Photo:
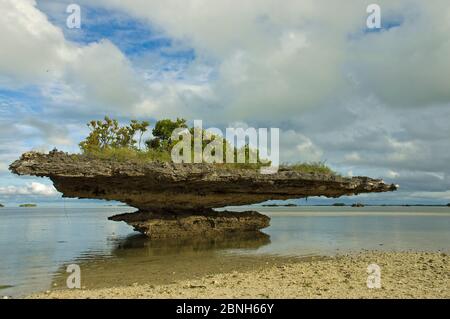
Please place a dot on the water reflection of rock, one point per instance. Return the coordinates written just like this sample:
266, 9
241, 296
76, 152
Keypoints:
138, 259
245, 240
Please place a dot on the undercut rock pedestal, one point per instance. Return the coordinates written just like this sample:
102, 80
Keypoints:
189, 224
177, 200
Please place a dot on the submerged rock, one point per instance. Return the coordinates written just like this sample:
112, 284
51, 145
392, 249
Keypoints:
182, 196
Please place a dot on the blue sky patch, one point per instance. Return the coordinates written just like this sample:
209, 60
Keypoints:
132, 36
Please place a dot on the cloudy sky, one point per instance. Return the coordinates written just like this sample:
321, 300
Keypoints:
368, 102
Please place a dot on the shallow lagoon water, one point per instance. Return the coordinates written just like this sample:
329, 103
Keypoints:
36, 244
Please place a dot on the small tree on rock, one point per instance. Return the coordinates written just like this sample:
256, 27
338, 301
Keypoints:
109, 134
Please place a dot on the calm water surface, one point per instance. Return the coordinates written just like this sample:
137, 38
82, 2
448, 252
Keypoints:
36, 244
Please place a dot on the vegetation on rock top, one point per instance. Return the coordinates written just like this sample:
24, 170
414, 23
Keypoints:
110, 141
310, 167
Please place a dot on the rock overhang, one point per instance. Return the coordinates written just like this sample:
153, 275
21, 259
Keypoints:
180, 189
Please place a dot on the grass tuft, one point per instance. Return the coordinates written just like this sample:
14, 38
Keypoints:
127, 154
151, 155
310, 167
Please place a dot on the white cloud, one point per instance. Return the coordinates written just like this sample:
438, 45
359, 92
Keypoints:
105, 76
277, 61
273, 62
52, 134
308, 152
33, 188
32, 48
407, 66
352, 157
393, 174
296, 147
35, 52
368, 103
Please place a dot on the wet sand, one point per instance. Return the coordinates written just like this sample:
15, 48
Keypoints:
403, 275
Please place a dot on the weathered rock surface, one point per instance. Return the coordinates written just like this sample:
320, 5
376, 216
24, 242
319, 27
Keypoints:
209, 223
173, 192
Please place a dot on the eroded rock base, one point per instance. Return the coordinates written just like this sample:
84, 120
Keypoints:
187, 224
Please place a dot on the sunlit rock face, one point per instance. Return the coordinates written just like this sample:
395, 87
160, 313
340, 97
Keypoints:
182, 196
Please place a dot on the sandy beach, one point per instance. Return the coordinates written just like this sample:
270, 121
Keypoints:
403, 275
